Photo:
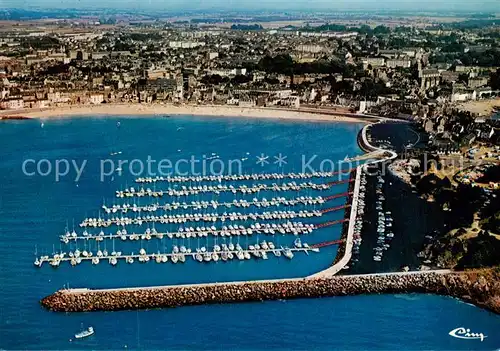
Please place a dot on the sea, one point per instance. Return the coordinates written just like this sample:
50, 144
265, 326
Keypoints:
41, 199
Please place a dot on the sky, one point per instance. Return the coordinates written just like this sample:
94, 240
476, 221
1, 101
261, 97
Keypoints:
276, 5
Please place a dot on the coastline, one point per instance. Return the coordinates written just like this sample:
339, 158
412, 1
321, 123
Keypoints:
197, 110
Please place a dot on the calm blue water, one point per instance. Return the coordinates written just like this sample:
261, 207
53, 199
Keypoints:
36, 209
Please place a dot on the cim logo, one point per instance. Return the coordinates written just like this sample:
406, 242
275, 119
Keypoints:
462, 333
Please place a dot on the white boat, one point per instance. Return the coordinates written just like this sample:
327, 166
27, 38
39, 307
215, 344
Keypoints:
85, 333
297, 243
287, 253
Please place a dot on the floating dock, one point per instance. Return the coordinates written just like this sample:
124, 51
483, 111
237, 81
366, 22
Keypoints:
159, 257
240, 177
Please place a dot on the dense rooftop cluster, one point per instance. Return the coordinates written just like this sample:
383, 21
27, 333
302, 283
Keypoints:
402, 70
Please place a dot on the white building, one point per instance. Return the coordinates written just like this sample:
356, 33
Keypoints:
96, 99
185, 44
12, 104
212, 55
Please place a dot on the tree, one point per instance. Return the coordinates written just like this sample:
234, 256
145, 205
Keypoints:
495, 79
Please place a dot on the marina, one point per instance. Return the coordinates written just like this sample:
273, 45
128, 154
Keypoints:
198, 219
40, 220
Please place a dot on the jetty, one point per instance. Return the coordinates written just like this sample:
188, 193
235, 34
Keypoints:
470, 286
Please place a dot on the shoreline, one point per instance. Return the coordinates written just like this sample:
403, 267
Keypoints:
321, 115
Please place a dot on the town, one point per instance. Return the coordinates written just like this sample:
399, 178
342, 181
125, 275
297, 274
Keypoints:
409, 70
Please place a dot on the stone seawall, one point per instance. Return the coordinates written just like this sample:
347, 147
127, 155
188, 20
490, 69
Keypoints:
362, 140
475, 289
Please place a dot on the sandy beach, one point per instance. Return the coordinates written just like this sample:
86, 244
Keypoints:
162, 110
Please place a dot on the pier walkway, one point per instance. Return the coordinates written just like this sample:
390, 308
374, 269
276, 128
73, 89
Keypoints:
328, 224
328, 243
336, 196
337, 208
389, 155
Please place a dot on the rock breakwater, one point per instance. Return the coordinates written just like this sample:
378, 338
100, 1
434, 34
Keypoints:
478, 290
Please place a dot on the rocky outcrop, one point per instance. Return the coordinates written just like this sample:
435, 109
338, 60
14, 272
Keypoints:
479, 289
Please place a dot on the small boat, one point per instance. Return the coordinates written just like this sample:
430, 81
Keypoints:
297, 243
85, 333
287, 253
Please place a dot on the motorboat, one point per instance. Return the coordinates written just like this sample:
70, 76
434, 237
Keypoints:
85, 333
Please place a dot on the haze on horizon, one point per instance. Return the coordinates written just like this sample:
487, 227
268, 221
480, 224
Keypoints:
275, 5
